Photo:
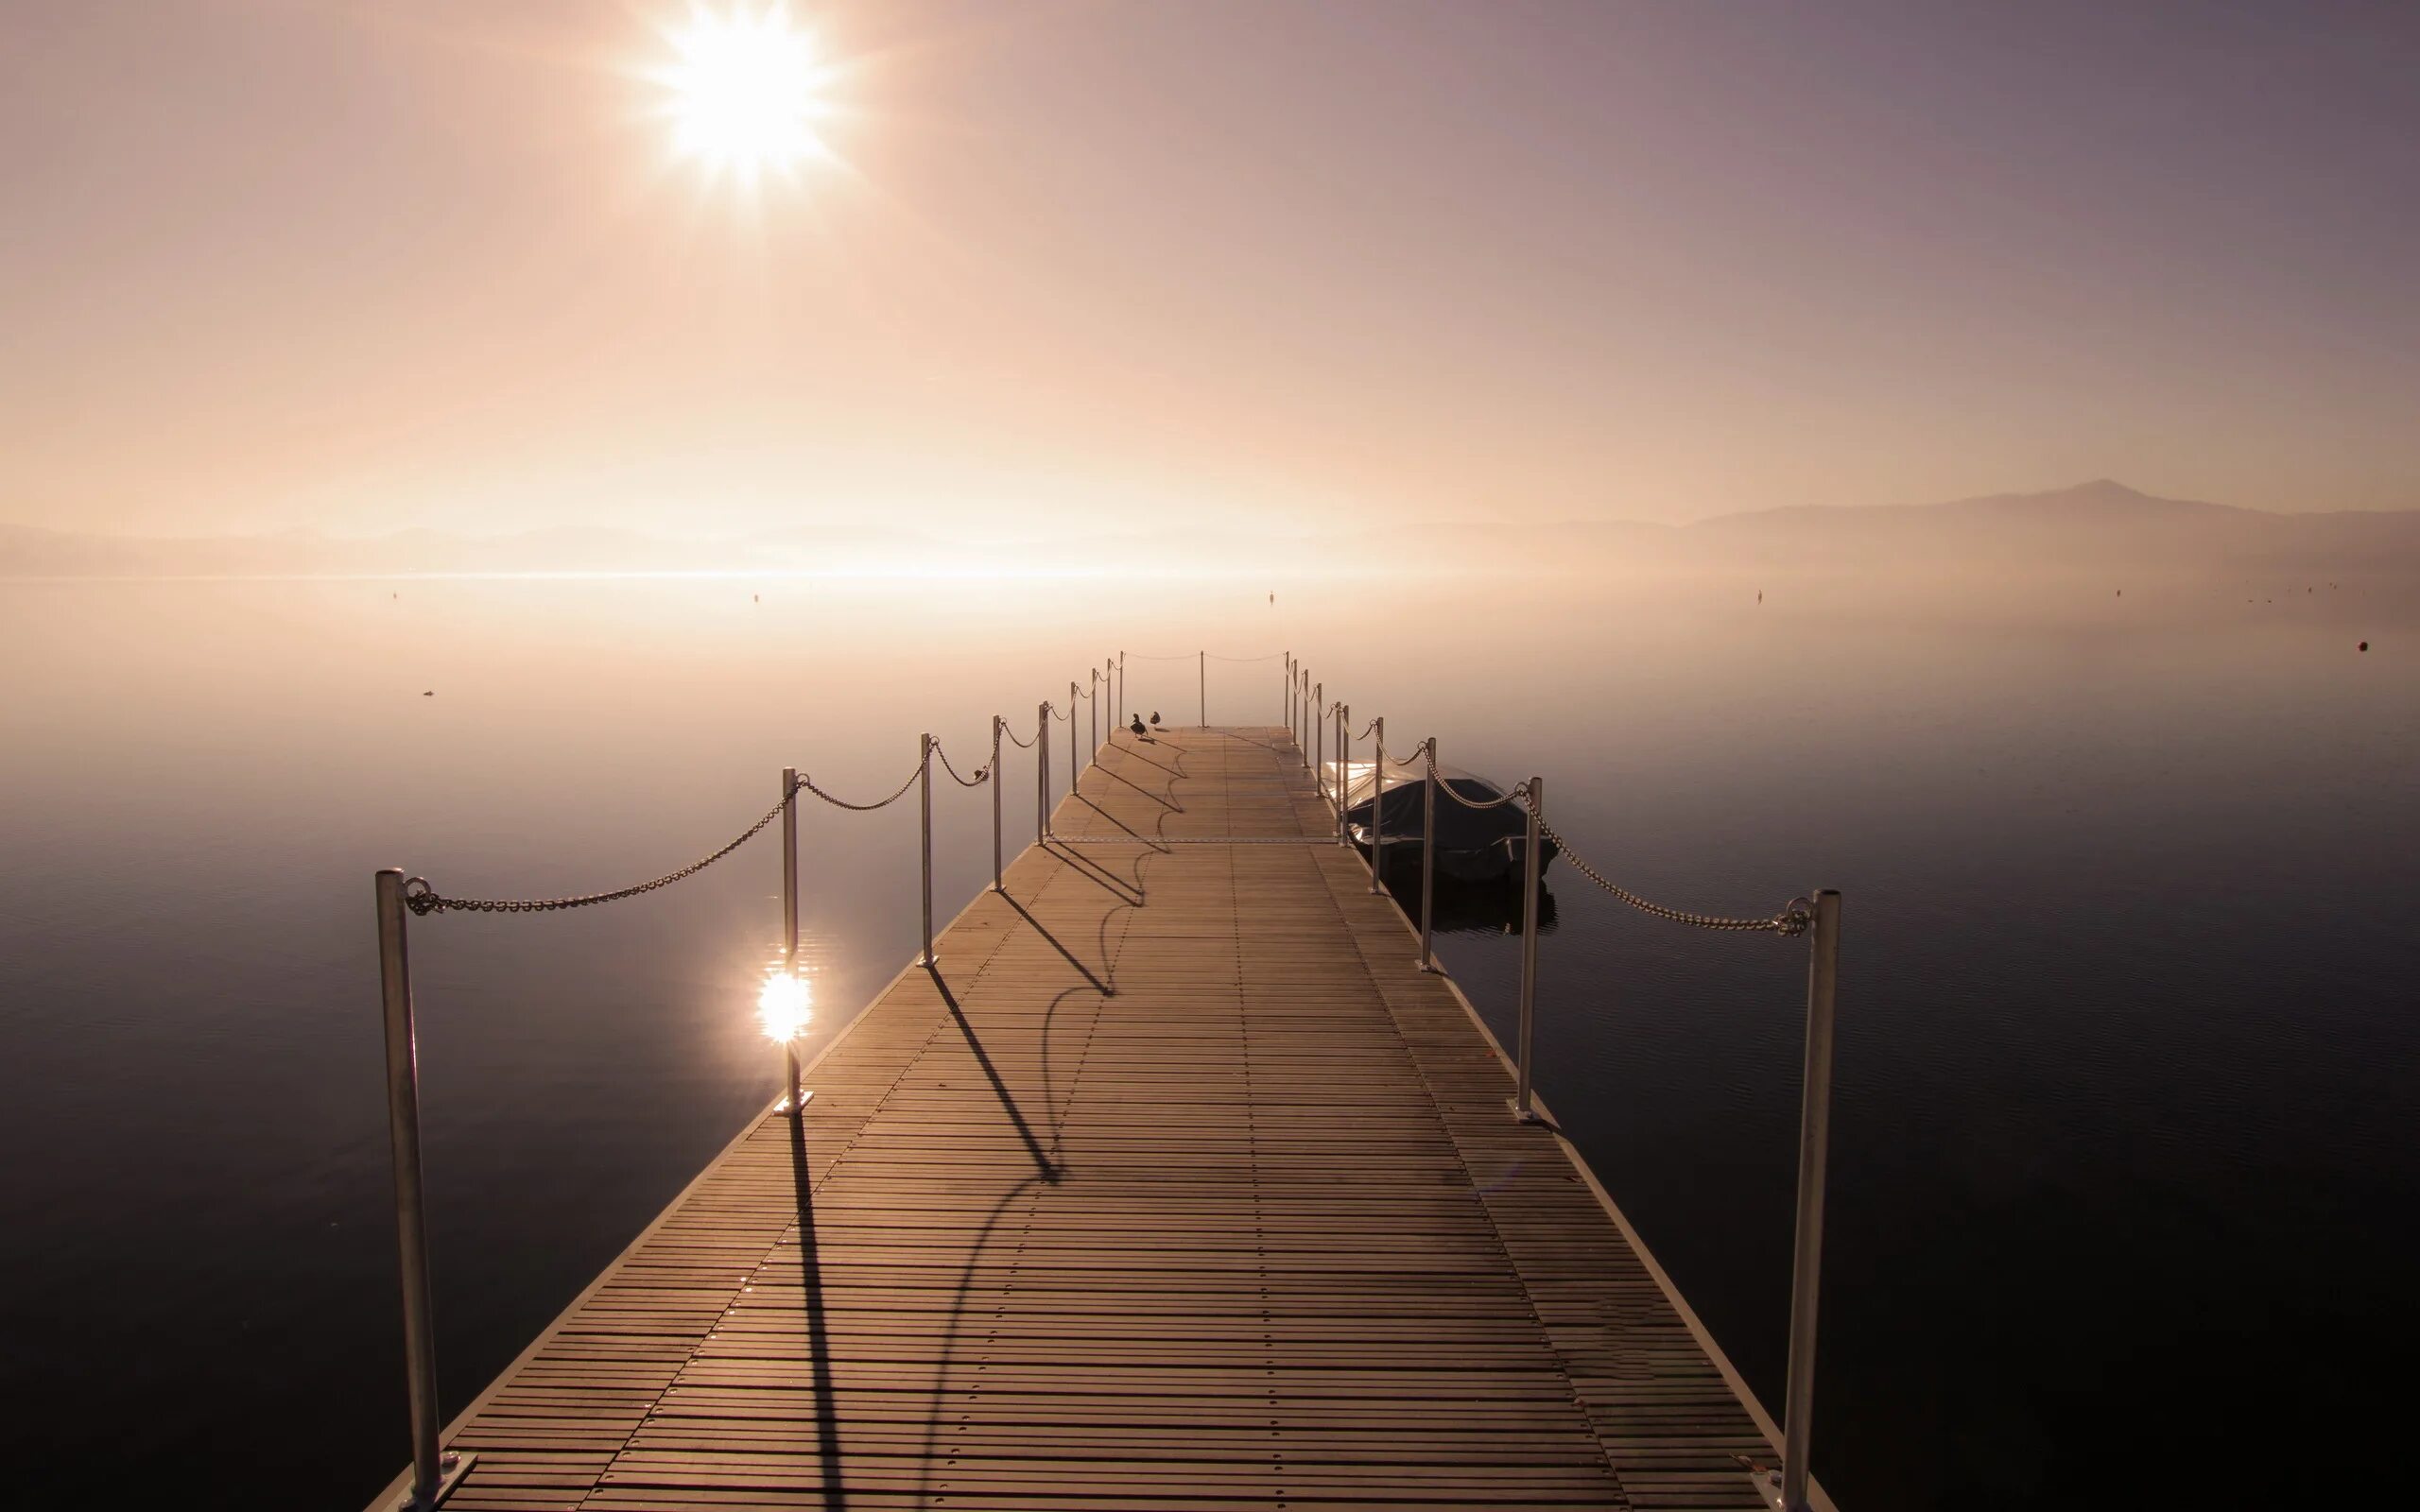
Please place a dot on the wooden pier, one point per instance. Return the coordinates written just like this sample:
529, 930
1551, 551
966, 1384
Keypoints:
1178, 1184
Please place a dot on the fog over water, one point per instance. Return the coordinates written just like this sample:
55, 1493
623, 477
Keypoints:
2122, 1164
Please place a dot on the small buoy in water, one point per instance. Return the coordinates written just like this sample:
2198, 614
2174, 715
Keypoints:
2122, 593
2364, 645
432, 691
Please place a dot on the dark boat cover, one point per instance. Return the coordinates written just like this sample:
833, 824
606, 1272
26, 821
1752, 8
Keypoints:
1475, 845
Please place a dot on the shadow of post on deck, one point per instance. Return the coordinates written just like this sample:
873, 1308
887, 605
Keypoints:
1099, 986
827, 1405
1042, 1163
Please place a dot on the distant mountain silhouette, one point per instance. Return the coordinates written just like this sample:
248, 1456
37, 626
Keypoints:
2100, 522
2097, 503
2099, 498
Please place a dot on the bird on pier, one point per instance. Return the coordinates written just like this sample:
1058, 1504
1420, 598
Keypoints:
1137, 726
1155, 718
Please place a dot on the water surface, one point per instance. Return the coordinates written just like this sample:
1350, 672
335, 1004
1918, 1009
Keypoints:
2122, 1165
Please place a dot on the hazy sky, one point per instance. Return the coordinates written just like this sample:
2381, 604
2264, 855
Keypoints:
268, 263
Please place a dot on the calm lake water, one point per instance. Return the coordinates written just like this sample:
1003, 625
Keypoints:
2124, 1168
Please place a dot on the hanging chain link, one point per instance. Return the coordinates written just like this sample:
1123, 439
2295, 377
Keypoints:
1795, 917
1520, 790
863, 808
1021, 744
421, 898
982, 774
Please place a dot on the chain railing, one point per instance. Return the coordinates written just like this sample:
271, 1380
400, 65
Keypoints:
1795, 917
1307, 712
896, 794
1815, 916
1201, 661
982, 774
436, 1470
423, 899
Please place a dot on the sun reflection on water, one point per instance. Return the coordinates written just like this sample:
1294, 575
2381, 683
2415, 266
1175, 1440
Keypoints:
784, 1005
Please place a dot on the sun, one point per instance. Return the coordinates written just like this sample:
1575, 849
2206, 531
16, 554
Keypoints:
747, 90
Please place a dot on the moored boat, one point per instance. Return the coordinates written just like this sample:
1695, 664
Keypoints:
1473, 844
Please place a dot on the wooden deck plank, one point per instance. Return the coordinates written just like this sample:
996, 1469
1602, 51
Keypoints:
1178, 1184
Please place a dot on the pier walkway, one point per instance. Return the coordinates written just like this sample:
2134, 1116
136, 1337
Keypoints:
1177, 1184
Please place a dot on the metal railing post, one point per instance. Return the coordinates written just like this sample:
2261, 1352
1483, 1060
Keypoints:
1092, 757
790, 1099
1074, 765
1319, 697
998, 725
1041, 772
1203, 661
1814, 1139
1378, 805
789, 868
1344, 767
1303, 718
433, 1472
925, 801
1428, 859
1530, 869
1121, 687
